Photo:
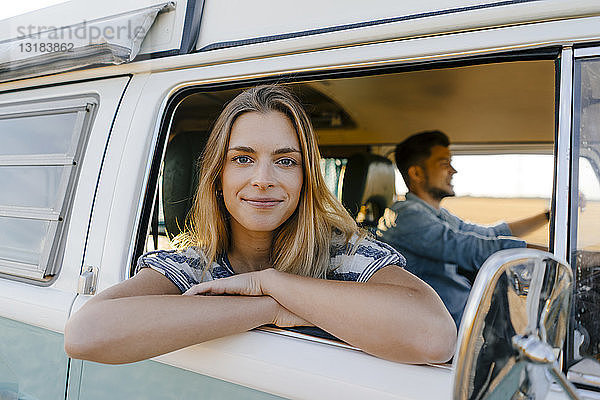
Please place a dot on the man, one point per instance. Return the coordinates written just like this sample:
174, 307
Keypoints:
436, 243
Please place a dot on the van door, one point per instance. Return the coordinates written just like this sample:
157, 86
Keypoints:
52, 142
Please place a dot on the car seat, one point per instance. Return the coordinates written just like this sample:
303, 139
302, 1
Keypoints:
180, 178
368, 187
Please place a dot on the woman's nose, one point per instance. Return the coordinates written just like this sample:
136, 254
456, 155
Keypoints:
263, 177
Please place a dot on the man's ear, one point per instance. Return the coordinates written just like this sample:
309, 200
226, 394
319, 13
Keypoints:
416, 174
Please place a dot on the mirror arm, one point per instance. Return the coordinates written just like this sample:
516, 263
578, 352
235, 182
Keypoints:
536, 351
563, 382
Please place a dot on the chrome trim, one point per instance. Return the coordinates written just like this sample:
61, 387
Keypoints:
563, 155
21, 270
88, 280
587, 52
533, 301
45, 214
140, 206
63, 110
45, 160
481, 294
303, 336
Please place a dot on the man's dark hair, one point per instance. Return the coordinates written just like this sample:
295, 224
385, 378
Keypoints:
416, 149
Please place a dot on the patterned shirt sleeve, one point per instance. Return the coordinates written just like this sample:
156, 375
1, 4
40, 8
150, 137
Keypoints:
183, 268
359, 261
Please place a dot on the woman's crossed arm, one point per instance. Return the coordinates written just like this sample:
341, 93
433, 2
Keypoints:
394, 315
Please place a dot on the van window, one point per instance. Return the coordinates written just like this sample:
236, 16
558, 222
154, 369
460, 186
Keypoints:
585, 212
359, 119
503, 187
42, 144
333, 172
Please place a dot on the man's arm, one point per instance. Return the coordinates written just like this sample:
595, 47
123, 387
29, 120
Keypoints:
430, 237
527, 225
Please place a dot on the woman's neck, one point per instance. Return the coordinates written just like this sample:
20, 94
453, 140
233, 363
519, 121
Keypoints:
250, 251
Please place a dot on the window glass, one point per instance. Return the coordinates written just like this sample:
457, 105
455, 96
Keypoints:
503, 187
38, 165
39, 134
586, 211
500, 187
504, 175
37, 187
22, 240
332, 170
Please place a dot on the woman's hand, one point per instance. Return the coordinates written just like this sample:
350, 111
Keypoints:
285, 318
248, 284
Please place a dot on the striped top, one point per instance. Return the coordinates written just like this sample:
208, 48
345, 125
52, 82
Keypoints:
350, 261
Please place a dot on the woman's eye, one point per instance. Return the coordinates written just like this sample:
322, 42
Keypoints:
242, 159
287, 162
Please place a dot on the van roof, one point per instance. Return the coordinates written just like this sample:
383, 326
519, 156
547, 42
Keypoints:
185, 26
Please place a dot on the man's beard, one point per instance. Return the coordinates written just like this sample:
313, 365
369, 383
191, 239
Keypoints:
439, 194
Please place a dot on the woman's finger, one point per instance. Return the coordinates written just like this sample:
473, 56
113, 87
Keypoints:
200, 288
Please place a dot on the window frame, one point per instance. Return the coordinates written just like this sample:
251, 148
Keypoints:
173, 99
53, 242
576, 153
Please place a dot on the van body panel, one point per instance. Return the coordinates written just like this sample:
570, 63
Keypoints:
294, 367
113, 216
108, 202
290, 366
108, 95
33, 315
388, 49
33, 363
153, 380
44, 307
250, 24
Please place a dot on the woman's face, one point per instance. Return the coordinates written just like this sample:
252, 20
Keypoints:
262, 174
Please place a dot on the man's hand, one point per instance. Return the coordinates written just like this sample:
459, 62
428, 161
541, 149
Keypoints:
537, 247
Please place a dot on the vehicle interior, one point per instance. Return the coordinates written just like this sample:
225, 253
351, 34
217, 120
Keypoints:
500, 118
489, 109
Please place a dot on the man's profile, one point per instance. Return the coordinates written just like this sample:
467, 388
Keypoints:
435, 242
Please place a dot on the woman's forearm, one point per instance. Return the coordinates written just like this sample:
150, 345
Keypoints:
130, 329
406, 323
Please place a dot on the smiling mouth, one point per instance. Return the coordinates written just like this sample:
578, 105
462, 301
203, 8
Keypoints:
263, 203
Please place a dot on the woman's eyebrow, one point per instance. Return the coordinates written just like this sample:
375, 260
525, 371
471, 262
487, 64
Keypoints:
245, 149
285, 150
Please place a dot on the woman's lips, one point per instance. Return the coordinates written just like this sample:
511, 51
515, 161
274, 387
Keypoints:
263, 203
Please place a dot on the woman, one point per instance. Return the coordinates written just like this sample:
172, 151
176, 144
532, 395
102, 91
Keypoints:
265, 231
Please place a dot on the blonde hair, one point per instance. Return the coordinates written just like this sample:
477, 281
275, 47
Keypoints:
301, 244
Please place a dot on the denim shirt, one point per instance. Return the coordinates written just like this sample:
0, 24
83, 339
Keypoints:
436, 242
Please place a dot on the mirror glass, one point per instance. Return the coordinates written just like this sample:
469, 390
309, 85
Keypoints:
513, 327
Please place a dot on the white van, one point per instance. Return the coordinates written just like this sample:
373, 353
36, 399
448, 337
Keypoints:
104, 108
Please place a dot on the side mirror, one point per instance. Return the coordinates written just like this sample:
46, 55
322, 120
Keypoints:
513, 328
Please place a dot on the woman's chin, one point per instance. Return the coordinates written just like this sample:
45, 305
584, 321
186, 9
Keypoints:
261, 226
